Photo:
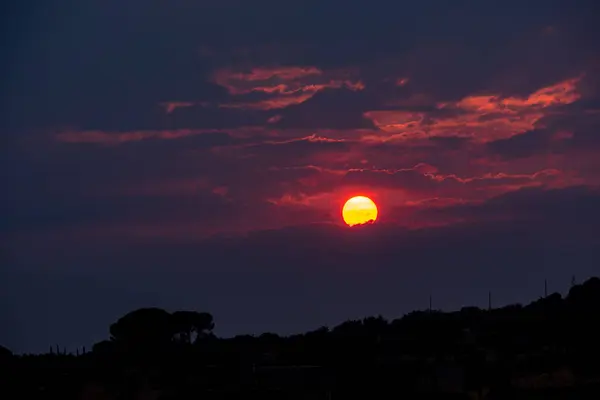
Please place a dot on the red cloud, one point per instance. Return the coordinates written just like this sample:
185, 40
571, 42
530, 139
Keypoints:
312, 139
272, 103
171, 106
286, 85
402, 81
112, 138
421, 186
274, 119
263, 79
482, 117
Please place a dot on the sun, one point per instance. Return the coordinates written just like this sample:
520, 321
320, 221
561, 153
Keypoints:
359, 210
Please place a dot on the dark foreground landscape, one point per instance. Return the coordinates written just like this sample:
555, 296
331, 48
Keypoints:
548, 349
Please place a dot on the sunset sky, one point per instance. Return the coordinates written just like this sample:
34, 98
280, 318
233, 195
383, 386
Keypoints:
196, 154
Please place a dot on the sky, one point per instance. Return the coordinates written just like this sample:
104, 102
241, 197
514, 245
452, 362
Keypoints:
192, 154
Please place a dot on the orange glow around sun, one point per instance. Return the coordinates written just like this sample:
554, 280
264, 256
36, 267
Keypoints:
359, 210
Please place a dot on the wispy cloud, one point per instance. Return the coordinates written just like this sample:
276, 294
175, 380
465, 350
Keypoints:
173, 105
283, 86
101, 137
481, 117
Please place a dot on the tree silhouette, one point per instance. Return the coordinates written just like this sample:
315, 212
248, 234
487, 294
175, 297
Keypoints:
5, 354
191, 326
585, 297
146, 327
103, 348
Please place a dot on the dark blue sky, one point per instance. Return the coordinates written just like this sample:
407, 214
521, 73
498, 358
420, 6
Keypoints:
196, 154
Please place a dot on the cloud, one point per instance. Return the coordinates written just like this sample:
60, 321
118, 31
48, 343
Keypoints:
173, 105
536, 206
282, 152
283, 86
335, 109
416, 181
481, 117
103, 137
450, 142
529, 143
284, 80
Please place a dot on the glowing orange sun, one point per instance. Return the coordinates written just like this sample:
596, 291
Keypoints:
359, 210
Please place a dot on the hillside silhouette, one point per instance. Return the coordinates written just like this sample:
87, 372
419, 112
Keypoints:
548, 349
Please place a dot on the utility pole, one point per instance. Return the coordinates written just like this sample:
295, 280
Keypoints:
490, 300
545, 288
430, 303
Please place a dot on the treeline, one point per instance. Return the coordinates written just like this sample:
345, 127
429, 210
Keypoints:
552, 324
470, 349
